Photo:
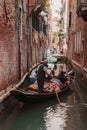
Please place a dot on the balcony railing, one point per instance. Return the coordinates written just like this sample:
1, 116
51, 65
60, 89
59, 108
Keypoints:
82, 9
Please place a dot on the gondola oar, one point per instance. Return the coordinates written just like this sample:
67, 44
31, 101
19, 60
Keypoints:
57, 97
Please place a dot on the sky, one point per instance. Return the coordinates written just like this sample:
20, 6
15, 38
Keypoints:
55, 4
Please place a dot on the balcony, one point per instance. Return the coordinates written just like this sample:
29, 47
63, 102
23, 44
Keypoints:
82, 9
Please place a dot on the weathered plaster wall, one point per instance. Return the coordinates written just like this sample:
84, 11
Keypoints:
8, 44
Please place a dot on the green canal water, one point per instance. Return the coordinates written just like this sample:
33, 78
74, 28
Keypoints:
46, 116
37, 117
71, 114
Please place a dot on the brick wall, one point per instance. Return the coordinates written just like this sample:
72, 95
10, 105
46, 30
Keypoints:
8, 44
77, 25
9, 49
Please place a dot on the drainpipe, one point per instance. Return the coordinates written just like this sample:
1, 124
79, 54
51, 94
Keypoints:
29, 38
31, 50
82, 55
28, 48
19, 47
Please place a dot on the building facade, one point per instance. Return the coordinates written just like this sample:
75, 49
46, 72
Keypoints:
64, 17
76, 35
21, 43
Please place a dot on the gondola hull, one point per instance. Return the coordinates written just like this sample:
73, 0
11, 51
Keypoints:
35, 96
28, 95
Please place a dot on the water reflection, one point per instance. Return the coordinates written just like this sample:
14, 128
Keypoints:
47, 116
37, 117
55, 118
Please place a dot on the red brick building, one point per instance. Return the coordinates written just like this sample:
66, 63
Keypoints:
19, 48
77, 35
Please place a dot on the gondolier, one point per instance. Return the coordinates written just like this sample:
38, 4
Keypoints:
42, 71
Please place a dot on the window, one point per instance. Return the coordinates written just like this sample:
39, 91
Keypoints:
78, 42
20, 22
70, 16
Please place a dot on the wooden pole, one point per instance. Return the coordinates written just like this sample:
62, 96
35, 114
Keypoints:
57, 97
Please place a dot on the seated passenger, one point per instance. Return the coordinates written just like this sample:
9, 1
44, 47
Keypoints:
62, 78
62, 75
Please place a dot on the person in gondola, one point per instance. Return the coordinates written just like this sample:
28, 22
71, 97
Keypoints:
62, 78
42, 71
62, 75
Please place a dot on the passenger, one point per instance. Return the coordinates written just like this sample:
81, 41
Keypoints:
62, 75
62, 78
42, 71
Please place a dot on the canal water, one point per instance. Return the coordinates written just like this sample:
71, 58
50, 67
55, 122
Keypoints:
71, 114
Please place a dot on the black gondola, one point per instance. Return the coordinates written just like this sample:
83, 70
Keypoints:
29, 95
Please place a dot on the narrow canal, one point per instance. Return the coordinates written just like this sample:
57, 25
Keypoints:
71, 114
